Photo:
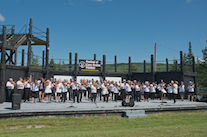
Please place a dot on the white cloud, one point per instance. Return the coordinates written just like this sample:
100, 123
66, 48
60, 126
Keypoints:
2, 19
188, 1
197, 59
101, 0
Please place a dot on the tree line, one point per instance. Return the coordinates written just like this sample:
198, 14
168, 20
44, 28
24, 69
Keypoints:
201, 65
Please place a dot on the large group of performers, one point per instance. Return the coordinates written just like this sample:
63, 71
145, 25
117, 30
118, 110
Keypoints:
60, 90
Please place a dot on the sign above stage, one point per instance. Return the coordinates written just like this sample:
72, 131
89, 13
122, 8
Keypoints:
89, 65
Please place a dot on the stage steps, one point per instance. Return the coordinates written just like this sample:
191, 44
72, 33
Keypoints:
135, 113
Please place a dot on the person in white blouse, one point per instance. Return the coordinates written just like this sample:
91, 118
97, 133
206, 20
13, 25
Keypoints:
35, 91
48, 91
182, 90
191, 87
137, 92
146, 89
75, 88
93, 92
104, 91
20, 87
169, 91
10, 89
152, 90
175, 90
123, 89
64, 91
27, 89
59, 88
116, 91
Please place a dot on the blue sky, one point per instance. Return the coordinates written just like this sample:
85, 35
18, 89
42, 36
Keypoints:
113, 27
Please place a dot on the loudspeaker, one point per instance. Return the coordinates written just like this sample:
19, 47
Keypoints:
16, 101
128, 102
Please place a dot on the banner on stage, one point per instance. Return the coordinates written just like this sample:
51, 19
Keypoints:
89, 65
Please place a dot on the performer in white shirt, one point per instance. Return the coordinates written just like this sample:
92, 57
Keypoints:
35, 91
146, 88
20, 87
41, 90
152, 90
75, 88
59, 88
48, 91
182, 90
137, 92
10, 89
175, 90
104, 91
116, 91
27, 89
123, 89
64, 91
93, 92
191, 87
169, 91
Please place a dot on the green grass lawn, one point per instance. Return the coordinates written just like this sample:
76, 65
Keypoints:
155, 125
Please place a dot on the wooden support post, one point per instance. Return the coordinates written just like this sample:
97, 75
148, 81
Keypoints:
130, 68
70, 61
104, 67
94, 56
43, 59
22, 57
75, 68
15, 58
176, 65
181, 66
115, 64
144, 66
3, 66
47, 53
11, 57
152, 69
167, 69
181, 61
29, 44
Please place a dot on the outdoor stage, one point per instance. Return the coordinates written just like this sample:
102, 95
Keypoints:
86, 108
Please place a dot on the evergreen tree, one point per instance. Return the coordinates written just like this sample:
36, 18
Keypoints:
204, 51
134, 67
202, 71
52, 64
64, 66
188, 59
173, 66
59, 65
34, 60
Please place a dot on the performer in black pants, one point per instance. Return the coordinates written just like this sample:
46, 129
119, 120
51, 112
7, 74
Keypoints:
20, 87
116, 91
99, 93
27, 90
10, 89
93, 92
75, 91
137, 92
123, 89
